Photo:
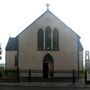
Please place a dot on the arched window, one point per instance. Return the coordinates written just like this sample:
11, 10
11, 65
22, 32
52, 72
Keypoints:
48, 38
55, 39
40, 42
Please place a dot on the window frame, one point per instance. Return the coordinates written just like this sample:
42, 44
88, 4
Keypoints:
55, 39
48, 38
40, 39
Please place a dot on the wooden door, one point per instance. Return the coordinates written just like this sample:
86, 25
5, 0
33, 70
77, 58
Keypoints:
45, 70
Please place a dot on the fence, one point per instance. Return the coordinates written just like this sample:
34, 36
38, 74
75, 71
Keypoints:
87, 76
37, 76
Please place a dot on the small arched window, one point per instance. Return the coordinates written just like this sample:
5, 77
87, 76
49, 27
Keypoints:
55, 39
40, 43
48, 38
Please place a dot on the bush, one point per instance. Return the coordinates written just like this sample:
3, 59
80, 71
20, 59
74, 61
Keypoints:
11, 73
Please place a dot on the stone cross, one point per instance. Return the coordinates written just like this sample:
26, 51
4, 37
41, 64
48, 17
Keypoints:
47, 6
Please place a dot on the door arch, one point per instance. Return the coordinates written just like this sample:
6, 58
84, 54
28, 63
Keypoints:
48, 66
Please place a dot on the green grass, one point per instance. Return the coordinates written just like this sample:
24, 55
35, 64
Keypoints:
10, 74
82, 75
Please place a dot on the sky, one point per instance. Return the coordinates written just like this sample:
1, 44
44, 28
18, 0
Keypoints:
16, 15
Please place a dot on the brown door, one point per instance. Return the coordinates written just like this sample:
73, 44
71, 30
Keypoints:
48, 66
45, 70
50, 69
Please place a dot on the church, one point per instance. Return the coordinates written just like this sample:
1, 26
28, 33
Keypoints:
47, 45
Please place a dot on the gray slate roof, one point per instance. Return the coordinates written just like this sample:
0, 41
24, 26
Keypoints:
12, 44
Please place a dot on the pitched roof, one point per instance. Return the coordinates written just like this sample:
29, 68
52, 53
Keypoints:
54, 16
80, 46
12, 44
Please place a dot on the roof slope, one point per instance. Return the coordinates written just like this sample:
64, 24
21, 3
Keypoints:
80, 46
48, 11
12, 44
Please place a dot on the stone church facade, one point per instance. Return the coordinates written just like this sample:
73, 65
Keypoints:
47, 45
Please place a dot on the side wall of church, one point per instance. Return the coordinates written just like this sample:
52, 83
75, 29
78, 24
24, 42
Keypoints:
81, 60
64, 59
10, 59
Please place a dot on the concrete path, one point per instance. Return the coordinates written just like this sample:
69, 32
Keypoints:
46, 84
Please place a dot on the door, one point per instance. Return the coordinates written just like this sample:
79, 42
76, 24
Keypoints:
45, 70
48, 66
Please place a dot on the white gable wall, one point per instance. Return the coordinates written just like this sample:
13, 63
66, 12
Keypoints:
30, 57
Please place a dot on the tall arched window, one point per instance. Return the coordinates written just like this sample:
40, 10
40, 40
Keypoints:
48, 38
55, 39
40, 39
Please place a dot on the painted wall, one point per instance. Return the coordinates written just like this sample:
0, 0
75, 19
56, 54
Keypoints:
64, 59
10, 59
81, 60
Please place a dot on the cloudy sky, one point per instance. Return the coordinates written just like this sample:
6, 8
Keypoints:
16, 15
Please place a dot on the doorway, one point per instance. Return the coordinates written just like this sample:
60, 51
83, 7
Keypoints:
48, 66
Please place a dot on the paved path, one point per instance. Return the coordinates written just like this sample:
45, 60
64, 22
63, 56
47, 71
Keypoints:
24, 87
79, 84
45, 84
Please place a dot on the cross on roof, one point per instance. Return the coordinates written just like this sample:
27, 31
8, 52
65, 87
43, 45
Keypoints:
47, 6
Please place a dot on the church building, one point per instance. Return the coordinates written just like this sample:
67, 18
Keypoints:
47, 45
